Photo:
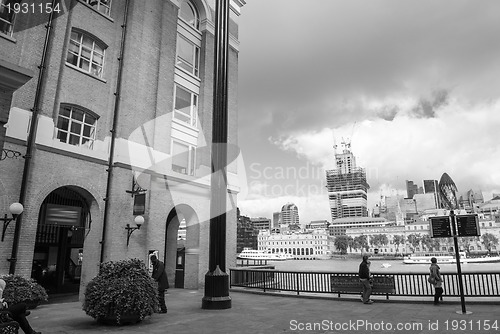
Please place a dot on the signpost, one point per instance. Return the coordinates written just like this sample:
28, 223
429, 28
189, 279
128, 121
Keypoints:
468, 225
461, 226
440, 227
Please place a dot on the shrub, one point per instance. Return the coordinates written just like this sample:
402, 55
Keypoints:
121, 288
22, 289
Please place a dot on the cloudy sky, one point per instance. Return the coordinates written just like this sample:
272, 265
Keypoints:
414, 86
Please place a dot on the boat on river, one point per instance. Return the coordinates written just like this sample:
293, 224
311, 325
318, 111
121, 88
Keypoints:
253, 254
444, 257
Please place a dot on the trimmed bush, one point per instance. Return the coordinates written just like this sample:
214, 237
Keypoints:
21, 289
122, 289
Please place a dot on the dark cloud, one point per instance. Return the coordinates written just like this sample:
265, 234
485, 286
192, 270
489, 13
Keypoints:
426, 108
388, 113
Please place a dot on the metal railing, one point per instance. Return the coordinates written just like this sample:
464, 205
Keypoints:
478, 284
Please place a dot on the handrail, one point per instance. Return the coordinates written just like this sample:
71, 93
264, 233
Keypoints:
477, 284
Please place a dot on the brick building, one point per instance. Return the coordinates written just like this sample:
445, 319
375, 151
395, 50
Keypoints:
123, 115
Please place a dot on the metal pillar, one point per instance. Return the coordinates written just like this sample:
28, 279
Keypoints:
457, 257
216, 279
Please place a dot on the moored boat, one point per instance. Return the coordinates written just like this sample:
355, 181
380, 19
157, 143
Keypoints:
444, 257
254, 254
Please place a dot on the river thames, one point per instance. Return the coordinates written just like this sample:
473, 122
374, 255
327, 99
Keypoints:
377, 266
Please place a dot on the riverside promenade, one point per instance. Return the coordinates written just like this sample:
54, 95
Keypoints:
265, 313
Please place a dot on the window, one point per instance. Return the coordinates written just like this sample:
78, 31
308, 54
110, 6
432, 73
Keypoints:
85, 53
189, 14
186, 105
6, 17
188, 55
183, 158
76, 127
103, 6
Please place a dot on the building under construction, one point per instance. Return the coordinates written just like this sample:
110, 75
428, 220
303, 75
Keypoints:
347, 186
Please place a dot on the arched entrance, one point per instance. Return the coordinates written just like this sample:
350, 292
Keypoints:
181, 242
63, 221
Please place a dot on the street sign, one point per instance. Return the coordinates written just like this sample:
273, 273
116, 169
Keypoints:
440, 227
468, 226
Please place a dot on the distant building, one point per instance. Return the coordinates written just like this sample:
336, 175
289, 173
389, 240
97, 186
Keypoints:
276, 219
347, 187
470, 200
306, 245
290, 214
412, 189
341, 225
261, 223
318, 224
246, 233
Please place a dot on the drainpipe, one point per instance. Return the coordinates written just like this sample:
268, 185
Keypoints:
113, 131
31, 141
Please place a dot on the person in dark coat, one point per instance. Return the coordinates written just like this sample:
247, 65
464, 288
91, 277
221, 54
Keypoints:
365, 277
18, 311
438, 280
160, 276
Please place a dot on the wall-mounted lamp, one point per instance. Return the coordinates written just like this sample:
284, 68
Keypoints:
15, 210
139, 220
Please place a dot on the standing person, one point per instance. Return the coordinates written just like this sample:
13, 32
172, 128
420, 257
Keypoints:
438, 281
18, 311
365, 277
160, 276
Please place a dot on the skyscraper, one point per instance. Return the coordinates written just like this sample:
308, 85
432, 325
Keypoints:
290, 214
347, 186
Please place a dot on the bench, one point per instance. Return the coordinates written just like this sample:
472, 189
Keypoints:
7, 325
350, 284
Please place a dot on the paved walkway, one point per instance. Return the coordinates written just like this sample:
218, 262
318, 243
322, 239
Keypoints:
257, 313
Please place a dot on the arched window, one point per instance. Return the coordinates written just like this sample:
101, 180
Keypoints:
86, 53
189, 14
76, 126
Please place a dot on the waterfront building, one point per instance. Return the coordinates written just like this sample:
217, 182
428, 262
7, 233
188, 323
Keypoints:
120, 122
347, 187
312, 245
290, 214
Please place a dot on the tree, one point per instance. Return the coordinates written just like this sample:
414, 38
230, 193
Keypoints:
467, 242
378, 240
350, 243
435, 244
414, 240
362, 241
489, 240
341, 242
426, 241
398, 239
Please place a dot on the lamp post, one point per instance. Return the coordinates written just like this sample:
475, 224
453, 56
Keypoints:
15, 210
216, 279
139, 220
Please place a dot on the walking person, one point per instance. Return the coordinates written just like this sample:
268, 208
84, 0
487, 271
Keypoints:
365, 278
160, 276
436, 280
18, 311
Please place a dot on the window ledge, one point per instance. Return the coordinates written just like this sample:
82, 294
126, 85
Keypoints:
9, 38
191, 75
84, 72
95, 10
